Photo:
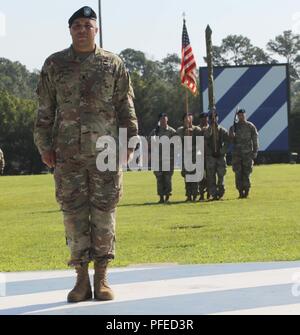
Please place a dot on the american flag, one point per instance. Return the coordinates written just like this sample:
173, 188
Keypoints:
188, 63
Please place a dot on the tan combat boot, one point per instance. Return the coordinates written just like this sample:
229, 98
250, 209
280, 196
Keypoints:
82, 290
101, 289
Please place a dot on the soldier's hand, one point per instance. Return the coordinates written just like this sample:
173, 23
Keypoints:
48, 158
254, 155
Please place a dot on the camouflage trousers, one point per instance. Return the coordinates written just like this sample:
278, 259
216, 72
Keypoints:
191, 188
203, 184
164, 182
242, 165
216, 171
88, 200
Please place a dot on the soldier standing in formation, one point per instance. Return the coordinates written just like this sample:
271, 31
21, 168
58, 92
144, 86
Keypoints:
188, 129
84, 93
164, 178
2, 162
203, 187
217, 141
244, 136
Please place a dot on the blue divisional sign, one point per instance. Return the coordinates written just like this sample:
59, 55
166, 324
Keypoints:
262, 90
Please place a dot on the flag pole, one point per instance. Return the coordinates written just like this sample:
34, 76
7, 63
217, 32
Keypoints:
209, 56
211, 92
187, 101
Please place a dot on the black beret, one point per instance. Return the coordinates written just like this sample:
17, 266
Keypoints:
84, 12
242, 111
160, 115
203, 115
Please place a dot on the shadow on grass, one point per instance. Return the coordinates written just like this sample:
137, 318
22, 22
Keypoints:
187, 227
172, 203
46, 212
154, 204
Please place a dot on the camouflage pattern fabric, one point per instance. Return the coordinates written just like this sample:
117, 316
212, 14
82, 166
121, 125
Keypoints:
164, 182
164, 178
242, 165
246, 138
2, 162
203, 185
245, 147
216, 162
191, 188
88, 199
216, 171
79, 101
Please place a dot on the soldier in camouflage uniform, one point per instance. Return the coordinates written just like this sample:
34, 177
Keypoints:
203, 187
2, 162
217, 141
164, 178
84, 93
188, 129
244, 136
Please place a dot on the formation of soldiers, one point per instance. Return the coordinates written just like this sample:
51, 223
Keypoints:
243, 137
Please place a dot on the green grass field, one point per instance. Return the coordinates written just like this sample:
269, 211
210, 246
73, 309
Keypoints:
263, 228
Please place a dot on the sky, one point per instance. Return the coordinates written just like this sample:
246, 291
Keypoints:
31, 30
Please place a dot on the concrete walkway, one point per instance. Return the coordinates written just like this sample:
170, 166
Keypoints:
252, 288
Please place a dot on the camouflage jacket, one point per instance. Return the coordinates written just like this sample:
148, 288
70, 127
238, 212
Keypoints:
2, 161
159, 132
194, 132
246, 138
79, 101
221, 141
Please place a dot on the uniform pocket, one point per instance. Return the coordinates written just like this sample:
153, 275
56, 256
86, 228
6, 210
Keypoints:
106, 190
58, 186
70, 187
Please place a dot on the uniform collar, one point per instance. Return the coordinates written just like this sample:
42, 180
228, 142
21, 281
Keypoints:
72, 54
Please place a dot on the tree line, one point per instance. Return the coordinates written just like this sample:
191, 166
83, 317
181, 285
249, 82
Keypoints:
156, 85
